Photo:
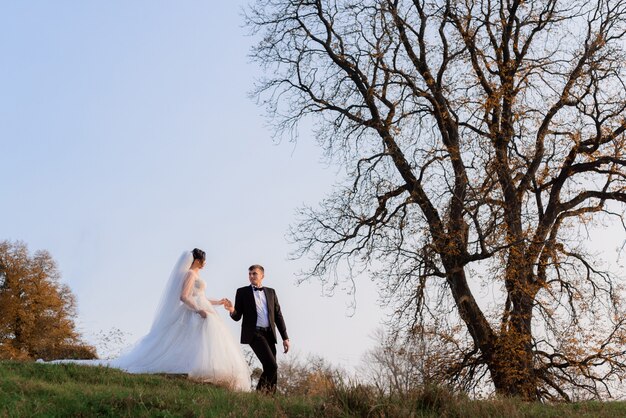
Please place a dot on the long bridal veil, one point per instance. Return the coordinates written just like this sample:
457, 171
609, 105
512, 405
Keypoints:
144, 355
153, 352
166, 313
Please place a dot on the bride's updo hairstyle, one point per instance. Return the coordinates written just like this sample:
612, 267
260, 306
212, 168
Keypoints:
198, 254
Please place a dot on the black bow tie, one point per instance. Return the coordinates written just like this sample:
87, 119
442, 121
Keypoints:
257, 288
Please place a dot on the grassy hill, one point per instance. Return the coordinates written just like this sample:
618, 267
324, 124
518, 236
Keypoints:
32, 389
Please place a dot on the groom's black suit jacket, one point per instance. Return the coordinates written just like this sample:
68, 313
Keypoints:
246, 306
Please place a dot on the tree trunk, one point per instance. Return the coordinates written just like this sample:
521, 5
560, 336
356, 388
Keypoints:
508, 354
511, 362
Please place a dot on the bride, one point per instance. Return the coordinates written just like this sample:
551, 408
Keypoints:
187, 335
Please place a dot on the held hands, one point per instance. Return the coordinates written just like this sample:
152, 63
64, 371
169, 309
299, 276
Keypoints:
228, 305
225, 302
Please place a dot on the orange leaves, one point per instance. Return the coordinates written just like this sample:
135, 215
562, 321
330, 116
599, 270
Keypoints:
36, 311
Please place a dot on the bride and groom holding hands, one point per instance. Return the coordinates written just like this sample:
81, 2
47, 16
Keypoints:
258, 307
189, 337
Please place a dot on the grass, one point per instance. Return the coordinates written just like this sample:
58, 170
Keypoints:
43, 390
31, 389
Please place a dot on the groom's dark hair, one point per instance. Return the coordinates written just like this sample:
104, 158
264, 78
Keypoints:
256, 266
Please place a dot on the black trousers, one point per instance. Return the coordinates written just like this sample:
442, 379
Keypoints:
265, 351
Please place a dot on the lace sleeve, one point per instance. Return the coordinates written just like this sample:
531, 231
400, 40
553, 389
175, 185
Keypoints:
186, 292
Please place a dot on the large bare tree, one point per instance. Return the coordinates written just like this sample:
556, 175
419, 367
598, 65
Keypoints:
478, 137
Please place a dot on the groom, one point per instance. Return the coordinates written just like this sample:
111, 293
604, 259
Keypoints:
261, 315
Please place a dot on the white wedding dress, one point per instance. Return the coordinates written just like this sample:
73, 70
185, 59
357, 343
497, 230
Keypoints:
182, 342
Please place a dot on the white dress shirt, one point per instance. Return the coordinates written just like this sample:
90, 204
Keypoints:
262, 317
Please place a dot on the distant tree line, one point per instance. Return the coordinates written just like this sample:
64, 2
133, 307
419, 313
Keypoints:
36, 311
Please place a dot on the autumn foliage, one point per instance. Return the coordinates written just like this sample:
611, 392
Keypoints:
36, 310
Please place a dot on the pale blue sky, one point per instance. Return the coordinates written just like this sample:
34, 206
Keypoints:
127, 136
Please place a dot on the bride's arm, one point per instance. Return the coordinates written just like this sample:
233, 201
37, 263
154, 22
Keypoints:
185, 295
216, 302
